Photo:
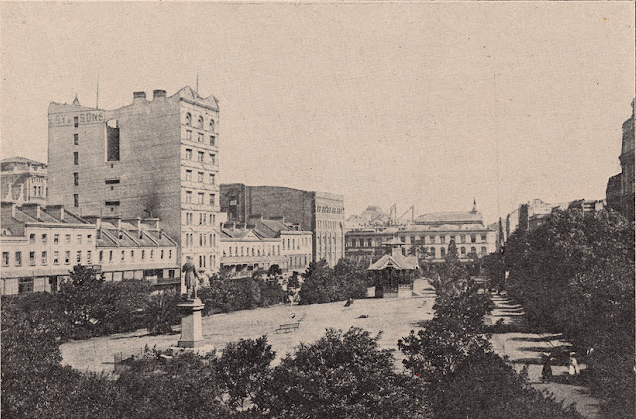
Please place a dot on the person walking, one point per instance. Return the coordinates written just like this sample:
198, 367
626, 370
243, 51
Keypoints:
546, 372
574, 365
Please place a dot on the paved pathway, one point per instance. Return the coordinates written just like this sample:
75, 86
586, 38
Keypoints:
525, 349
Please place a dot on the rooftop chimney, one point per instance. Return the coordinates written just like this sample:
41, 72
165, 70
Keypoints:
158, 94
138, 96
31, 209
56, 211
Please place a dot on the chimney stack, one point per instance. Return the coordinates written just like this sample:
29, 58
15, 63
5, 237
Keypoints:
156, 94
139, 96
31, 209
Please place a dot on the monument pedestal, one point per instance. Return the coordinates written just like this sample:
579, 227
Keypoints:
191, 329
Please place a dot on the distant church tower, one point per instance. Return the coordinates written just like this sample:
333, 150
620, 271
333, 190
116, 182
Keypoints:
474, 211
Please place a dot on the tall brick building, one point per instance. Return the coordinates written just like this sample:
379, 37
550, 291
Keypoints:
620, 187
319, 212
153, 158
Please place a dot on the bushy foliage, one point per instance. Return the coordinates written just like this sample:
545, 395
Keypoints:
226, 294
161, 312
340, 376
575, 274
323, 284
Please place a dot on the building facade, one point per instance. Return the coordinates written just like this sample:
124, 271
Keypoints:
40, 246
620, 188
245, 251
23, 180
320, 213
151, 159
296, 244
433, 232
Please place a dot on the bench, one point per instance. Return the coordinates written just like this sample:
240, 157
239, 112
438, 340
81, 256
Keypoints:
287, 328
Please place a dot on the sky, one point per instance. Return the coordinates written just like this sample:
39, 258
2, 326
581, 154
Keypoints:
429, 104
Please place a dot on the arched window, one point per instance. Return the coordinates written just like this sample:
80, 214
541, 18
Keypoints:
473, 250
463, 251
483, 250
212, 125
200, 122
443, 251
188, 119
432, 252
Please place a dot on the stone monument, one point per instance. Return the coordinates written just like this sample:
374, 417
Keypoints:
191, 329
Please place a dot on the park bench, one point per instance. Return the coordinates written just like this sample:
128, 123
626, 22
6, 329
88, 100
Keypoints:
288, 327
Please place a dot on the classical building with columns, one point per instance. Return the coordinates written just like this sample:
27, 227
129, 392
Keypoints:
433, 232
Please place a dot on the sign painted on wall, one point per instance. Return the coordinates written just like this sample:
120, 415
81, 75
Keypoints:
76, 118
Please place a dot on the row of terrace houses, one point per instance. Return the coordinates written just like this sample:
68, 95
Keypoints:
40, 246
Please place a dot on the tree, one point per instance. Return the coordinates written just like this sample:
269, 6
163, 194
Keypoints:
452, 275
243, 369
341, 375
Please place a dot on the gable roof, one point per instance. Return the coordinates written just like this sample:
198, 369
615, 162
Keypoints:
396, 261
450, 217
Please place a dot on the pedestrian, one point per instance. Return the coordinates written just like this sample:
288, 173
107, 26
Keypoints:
546, 372
574, 365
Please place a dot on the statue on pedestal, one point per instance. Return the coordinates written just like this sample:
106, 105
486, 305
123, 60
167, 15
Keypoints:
190, 275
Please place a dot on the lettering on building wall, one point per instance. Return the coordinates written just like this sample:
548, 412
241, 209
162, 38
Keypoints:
84, 118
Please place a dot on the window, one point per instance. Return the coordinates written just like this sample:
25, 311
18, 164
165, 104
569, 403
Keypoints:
89, 256
143, 254
188, 154
200, 177
170, 254
212, 179
152, 254
432, 252
68, 239
188, 175
462, 238
473, 250
56, 238
402, 239
89, 238
483, 238
5, 258
188, 119
473, 239
32, 258
25, 285
212, 140
463, 251
101, 256
110, 256
442, 252
79, 239
56, 258
188, 197
67, 257
189, 135
76, 121
212, 199
200, 138
452, 239
200, 155
432, 239
75, 158
200, 122
212, 125
112, 181
200, 218
76, 200
161, 253
483, 250
44, 238
76, 139
79, 256
18, 258
442, 239
76, 179
200, 198
132, 255
212, 158
32, 238
45, 258
123, 255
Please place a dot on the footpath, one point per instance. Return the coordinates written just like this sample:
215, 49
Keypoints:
525, 349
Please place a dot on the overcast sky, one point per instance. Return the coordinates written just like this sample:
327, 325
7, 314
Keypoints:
384, 103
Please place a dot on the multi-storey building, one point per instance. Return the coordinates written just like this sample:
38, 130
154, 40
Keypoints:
245, 250
620, 188
152, 158
135, 249
433, 232
296, 243
319, 212
40, 246
23, 180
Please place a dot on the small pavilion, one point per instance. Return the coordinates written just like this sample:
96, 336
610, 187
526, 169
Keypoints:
394, 272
